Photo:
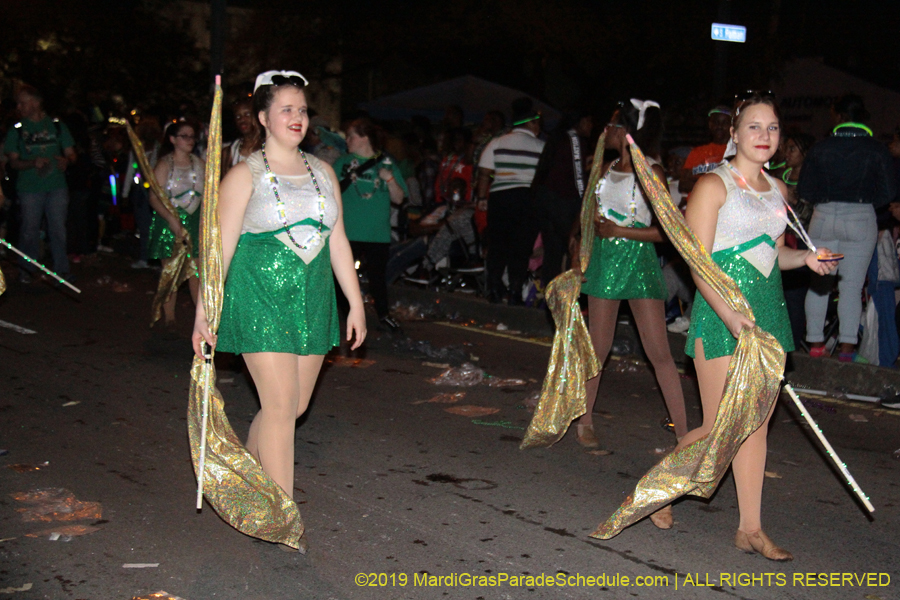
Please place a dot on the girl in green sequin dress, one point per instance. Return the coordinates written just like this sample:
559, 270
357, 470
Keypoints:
738, 213
624, 265
183, 174
283, 243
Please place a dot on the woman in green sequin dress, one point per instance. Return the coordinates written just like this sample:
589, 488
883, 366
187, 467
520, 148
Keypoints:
738, 212
282, 239
624, 265
183, 174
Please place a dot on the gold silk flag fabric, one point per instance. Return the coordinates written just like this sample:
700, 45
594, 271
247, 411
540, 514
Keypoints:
572, 359
180, 267
234, 483
751, 386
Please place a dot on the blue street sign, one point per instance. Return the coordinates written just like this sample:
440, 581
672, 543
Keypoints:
729, 33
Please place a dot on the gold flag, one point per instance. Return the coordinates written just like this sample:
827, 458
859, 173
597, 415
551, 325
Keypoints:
572, 359
751, 386
234, 482
180, 267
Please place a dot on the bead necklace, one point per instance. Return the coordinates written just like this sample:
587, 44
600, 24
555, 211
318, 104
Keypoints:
632, 206
172, 179
316, 236
749, 191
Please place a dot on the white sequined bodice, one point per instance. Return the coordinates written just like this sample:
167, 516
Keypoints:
615, 195
301, 201
745, 216
185, 184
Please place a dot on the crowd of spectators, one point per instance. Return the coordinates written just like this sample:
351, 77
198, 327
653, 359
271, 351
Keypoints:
497, 199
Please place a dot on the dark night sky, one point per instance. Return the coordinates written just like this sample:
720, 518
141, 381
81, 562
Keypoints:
579, 51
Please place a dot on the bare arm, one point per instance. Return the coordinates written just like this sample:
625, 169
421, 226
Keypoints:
789, 258
702, 217
234, 194
344, 270
17, 163
483, 186
162, 174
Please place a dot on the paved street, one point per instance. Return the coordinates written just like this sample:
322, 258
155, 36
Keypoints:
393, 487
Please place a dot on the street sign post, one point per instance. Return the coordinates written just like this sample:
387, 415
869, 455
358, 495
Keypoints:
729, 33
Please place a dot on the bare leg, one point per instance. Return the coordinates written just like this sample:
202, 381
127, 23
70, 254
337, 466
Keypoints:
285, 383
602, 326
711, 381
169, 305
194, 284
651, 323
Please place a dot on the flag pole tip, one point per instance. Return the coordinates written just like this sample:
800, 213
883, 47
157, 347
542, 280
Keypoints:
629, 138
218, 80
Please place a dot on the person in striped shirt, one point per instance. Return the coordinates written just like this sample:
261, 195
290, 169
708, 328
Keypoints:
506, 169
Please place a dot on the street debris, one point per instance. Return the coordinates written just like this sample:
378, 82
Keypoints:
499, 382
12, 590
600, 452
157, 596
859, 419
448, 398
141, 566
436, 365
465, 375
23, 468
55, 504
453, 354
16, 328
349, 361
532, 400
64, 533
72, 403
471, 410
503, 424
772, 475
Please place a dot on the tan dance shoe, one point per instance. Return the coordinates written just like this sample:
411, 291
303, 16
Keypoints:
663, 518
758, 542
586, 436
302, 546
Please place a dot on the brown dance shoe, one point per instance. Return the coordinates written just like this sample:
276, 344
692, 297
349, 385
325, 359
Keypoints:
586, 436
758, 542
663, 518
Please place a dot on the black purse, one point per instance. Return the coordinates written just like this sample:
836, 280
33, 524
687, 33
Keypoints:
347, 181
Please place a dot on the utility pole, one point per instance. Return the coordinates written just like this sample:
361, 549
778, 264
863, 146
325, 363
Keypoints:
720, 72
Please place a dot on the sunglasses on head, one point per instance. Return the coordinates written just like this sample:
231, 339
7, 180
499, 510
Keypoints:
289, 80
748, 94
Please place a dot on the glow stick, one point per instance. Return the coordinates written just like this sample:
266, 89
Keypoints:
834, 457
39, 265
112, 188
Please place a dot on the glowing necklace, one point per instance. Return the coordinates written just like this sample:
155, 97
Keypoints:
316, 236
798, 228
785, 176
632, 207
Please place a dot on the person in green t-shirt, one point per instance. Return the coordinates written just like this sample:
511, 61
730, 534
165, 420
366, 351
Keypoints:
370, 183
40, 149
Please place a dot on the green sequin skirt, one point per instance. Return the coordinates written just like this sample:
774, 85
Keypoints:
162, 239
275, 302
766, 298
624, 270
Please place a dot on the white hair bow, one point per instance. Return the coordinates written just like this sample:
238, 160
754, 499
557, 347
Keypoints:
642, 106
268, 78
